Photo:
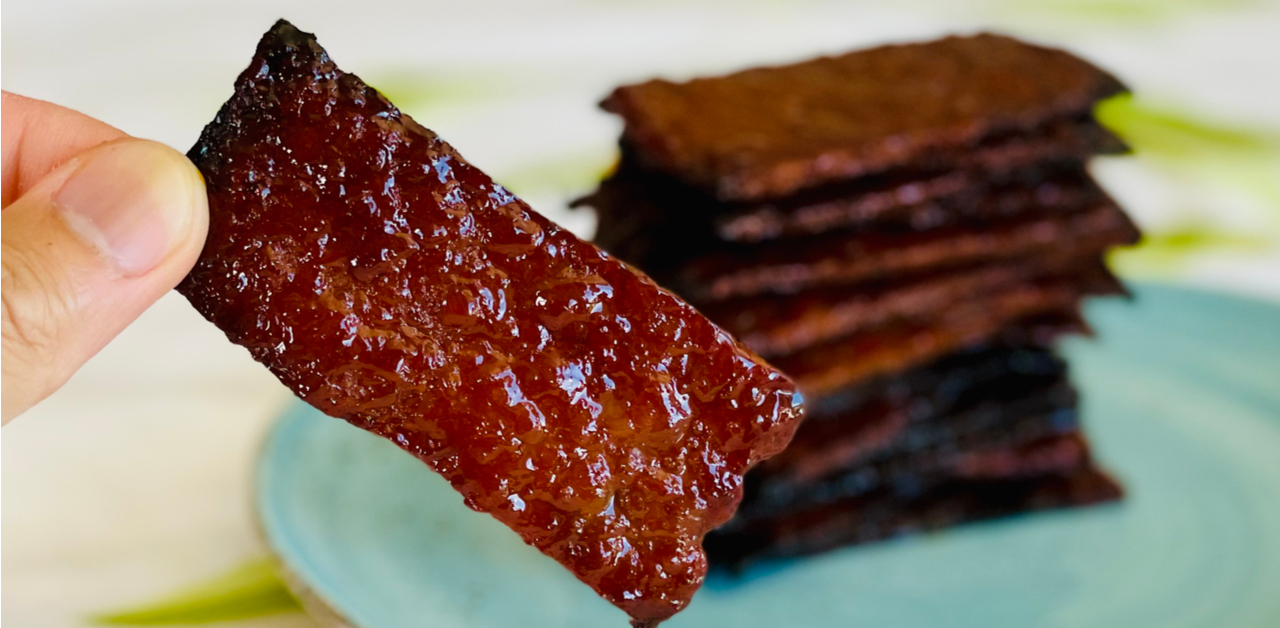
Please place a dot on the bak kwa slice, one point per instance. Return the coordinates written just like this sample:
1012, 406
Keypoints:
824, 369
915, 201
886, 513
769, 132
390, 283
843, 258
828, 450
773, 324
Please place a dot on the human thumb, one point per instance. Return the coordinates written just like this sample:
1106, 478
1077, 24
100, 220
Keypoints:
86, 250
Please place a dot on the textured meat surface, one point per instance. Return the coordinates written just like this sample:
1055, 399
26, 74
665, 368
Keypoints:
390, 283
843, 258
775, 325
839, 458
654, 221
767, 132
826, 368
888, 512
917, 201
956, 380
951, 431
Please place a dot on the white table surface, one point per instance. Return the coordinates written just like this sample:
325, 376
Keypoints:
135, 478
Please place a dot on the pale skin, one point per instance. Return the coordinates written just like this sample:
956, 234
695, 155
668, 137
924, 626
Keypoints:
97, 226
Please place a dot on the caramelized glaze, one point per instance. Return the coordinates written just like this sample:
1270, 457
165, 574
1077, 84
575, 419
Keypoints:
390, 283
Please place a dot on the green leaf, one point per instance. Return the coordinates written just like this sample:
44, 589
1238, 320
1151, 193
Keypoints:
254, 589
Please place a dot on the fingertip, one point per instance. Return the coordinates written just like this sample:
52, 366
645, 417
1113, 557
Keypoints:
140, 203
190, 206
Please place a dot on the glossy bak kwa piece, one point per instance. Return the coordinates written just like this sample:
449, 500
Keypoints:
389, 283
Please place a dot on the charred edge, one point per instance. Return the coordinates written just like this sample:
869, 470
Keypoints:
283, 37
286, 33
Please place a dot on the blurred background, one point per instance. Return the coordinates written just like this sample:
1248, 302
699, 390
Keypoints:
134, 480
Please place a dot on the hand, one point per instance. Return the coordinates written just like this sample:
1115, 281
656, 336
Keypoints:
97, 227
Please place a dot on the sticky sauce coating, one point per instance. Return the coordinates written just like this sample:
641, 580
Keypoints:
390, 283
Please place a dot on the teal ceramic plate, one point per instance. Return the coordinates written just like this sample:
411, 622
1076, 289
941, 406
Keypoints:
1181, 395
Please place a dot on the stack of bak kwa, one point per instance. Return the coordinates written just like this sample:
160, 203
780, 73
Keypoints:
905, 231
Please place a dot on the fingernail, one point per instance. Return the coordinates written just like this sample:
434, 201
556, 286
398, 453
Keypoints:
131, 200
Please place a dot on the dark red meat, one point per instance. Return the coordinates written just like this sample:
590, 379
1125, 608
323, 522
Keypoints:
390, 283
769, 132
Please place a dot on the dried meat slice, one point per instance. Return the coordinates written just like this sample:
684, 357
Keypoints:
769, 132
1049, 164
840, 458
917, 201
1028, 446
788, 266
655, 222
828, 368
889, 513
1054, 156
390, 283
958, 379
774, 325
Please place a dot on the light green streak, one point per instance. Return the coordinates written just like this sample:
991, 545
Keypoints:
573, 175
1116, 12
421, 91
1205, 153
1165, 253
254, 589
1172, 133
1244, 159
